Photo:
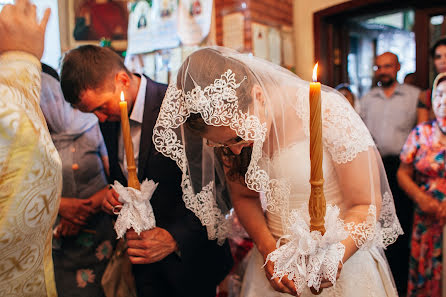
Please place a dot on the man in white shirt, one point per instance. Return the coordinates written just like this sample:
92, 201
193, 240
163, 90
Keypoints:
390, 112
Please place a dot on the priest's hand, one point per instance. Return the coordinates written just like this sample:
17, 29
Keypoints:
20, 29
111, 204
76, 210
150, 246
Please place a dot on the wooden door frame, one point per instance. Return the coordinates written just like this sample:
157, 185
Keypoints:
422, 18
327, 25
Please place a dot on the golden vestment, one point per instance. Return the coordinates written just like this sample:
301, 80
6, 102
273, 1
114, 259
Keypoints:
30, 182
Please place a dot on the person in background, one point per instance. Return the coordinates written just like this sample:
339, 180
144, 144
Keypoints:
422, 176
424, 108
30, 167
410, 79
389, 112
84, 235
345, 90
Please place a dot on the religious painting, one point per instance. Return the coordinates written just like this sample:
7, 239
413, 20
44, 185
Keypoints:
167, 8
195, 8
275, 45
152, 26
139, 19
99, 19
233, 31
194, 19
260, 45
287, 47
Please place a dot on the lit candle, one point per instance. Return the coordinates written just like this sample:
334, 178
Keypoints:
317, 203
128, 145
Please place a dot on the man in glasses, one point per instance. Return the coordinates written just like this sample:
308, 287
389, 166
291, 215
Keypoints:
389, 112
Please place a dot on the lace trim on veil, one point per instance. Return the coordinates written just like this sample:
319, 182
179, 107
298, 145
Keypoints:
218, 106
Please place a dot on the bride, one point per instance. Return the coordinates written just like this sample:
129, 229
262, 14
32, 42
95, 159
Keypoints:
238, 126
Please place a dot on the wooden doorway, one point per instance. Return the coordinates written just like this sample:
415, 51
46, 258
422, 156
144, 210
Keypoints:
332, 46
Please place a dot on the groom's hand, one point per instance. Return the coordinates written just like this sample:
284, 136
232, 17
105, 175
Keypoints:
110, 202
150, 246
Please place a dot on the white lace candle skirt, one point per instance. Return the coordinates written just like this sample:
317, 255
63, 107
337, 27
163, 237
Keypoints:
365, 274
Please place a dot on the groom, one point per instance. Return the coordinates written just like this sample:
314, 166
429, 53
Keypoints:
175, 258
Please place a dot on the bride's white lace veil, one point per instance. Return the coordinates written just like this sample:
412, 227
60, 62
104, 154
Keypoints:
269, 105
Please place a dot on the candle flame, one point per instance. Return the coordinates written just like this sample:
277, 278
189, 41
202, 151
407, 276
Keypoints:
315, 72
122, 96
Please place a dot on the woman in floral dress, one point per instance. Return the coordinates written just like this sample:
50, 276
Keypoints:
422, 176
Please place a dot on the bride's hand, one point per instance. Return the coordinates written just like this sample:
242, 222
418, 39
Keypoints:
285, 285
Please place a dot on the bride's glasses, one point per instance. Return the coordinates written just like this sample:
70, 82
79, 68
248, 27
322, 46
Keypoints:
237, 141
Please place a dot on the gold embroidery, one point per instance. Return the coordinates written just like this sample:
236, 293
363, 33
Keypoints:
30, 183
18, 162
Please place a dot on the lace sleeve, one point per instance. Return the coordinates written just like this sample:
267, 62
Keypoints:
367, 203
345, 135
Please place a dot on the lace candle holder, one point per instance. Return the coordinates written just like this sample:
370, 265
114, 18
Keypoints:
137, 211
308, 257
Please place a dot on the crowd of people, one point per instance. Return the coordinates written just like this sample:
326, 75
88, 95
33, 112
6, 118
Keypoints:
405, 123
228, 144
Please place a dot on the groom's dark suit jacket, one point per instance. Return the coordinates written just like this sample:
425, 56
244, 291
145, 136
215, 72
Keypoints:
201, 264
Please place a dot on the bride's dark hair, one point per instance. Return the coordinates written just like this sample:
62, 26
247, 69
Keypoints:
215, 64
237, 164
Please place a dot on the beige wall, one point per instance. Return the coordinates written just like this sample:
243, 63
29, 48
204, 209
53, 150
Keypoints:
63, 25
303, 33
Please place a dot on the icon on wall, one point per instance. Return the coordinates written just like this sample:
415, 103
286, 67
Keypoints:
152, 26
140, 11
194, 19
195, 8
96, 19
142, 21
167, 8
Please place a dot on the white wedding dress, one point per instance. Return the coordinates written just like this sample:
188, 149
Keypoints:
366, 273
